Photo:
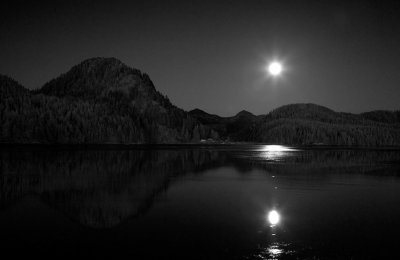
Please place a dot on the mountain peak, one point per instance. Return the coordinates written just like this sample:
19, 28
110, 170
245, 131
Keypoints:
309, 111
103, 67
244, 113
198, 111
95, 76
303, 107
97, 62
203, 116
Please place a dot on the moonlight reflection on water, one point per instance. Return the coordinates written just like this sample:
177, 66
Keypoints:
274, 152
276, 148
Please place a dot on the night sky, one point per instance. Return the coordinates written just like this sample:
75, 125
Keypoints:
212, 56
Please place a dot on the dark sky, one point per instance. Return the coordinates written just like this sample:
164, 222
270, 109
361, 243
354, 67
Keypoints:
212, 55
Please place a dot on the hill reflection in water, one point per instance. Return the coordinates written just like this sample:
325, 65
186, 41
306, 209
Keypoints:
97, 188
100, 188
104, 188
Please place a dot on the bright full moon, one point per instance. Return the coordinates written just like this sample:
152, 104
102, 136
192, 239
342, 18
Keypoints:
273, 217
275, 68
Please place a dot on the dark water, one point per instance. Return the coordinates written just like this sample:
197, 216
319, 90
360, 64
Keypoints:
200, 203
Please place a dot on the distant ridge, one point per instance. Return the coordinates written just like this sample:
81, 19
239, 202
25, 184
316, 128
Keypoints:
102, 100
308, 124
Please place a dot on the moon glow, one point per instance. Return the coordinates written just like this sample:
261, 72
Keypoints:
273, 217
275, 68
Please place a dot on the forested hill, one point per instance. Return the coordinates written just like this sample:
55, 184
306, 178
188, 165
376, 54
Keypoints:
235, 128
313, 124
308, 124
101, 100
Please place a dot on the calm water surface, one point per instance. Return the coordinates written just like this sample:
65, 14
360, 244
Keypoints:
183, 202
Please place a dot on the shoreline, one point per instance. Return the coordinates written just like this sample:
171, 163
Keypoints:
234, 146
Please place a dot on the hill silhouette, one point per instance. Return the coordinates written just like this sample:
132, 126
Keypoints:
102, 100
310, 124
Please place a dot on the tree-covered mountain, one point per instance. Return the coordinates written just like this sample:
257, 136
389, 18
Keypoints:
101, 100
235, 128
307, 124
310, 124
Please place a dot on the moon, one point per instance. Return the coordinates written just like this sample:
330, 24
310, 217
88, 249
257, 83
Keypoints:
275, 68
273, 217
